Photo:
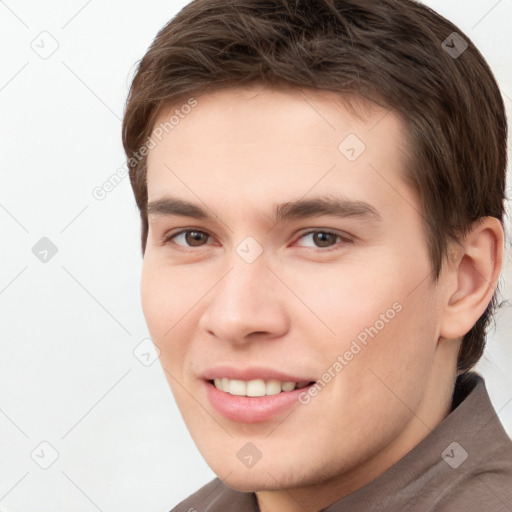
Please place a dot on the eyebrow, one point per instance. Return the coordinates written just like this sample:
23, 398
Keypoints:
292, 210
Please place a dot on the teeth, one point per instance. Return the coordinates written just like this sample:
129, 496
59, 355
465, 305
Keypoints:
256, 387
288, 386
237, 387
273, 387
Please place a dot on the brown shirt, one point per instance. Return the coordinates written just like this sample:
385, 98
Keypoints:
463, 465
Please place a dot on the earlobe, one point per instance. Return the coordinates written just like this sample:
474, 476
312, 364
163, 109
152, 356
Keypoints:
476, 275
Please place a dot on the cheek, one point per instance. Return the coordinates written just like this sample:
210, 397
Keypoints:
380, 315
155, 300
384, 358
165, 296
165, 304
351, 296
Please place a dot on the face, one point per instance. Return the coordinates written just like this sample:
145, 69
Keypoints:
286, 260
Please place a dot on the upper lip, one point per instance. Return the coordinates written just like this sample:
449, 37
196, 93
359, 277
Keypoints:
252, 373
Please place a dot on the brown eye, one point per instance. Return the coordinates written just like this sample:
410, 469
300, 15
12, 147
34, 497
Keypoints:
189, 238
320, 239
195, 238
324, 239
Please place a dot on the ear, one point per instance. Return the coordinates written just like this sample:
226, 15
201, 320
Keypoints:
473, 277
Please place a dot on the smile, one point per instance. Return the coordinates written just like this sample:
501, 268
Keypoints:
255, 400
256, 387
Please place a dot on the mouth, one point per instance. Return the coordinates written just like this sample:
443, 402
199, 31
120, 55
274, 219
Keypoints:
256, 387
255, 400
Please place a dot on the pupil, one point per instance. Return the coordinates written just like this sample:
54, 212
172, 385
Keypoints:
193, 237
323, 239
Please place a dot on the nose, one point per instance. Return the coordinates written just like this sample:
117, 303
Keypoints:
246, 305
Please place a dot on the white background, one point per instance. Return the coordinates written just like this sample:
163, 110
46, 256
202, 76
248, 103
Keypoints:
67, 368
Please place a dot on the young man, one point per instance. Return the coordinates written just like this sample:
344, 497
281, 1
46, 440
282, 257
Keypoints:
321, 189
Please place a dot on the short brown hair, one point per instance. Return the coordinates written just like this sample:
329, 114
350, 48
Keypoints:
398, 53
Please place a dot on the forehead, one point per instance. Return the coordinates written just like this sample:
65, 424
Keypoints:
261, 145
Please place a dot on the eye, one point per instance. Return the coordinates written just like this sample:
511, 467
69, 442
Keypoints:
323, 238
190, 237
320, 239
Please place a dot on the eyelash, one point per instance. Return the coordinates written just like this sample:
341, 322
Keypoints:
343, 239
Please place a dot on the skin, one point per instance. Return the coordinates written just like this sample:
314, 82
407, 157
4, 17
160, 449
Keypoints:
300, 304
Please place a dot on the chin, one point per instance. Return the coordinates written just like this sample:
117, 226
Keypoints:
261, 477
254, 482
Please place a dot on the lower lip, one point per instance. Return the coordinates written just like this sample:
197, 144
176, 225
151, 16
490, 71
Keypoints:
251, 409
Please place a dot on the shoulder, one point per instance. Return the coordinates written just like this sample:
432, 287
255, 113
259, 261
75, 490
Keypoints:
490, 491
200, 497
479, 476
215, 496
